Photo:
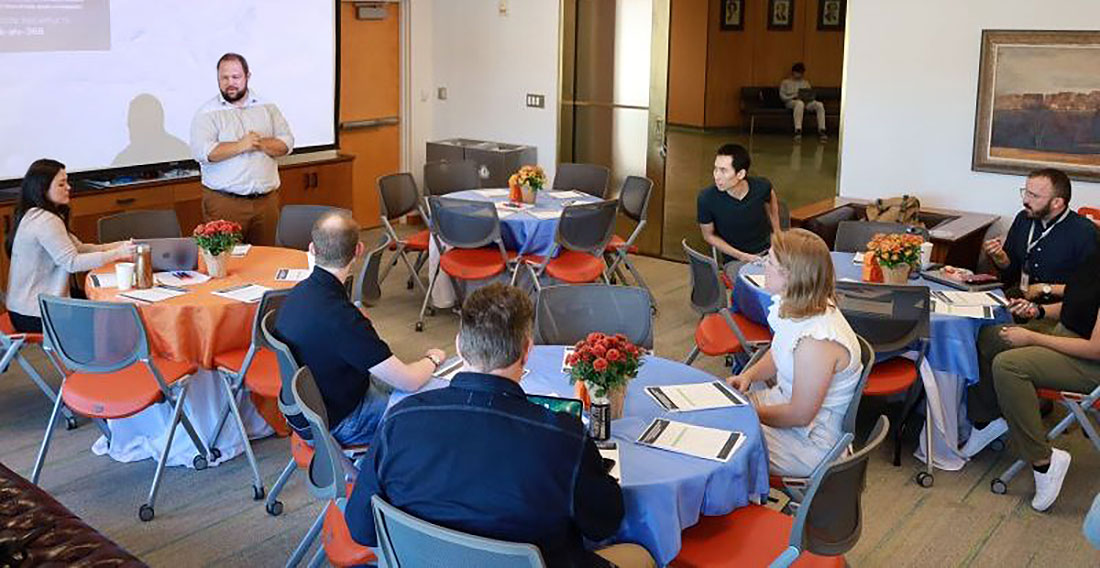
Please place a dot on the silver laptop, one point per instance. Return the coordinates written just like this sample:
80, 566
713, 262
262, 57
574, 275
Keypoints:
807, 95
170, 255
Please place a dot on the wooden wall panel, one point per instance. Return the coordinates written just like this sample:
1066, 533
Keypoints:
730, 63
824, 51
687, 69
773, 52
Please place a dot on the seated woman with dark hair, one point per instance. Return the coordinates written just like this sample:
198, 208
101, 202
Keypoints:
43, 252
814, 355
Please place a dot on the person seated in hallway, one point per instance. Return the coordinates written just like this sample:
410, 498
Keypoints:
1058, 348
328, 334
477, 457
814, 356
1047, 240
791, 92
738, 214
43, 252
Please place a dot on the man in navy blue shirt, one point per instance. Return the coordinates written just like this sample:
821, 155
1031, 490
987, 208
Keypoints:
328, 334
477, 457
1047, 240
737, 214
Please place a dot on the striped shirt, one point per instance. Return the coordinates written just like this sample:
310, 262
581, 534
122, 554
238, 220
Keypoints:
219, 121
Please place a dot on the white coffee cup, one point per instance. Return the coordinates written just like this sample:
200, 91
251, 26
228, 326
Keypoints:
124, 275
925, 254
311, 260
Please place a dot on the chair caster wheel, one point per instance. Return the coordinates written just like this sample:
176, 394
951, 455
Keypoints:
419, 326
145, 513
216, 454
275, 508
258, 493
431, 312
925, 479
997, 445
70, 423
199, 462
999, 487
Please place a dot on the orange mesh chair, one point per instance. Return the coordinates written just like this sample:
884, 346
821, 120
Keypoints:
469, 233
11, 346
331, 477
1078, 405
634, 200
582, 236
827, 525
113, 374
895, 319
398, 196
720, 331
256, 369
1090, 213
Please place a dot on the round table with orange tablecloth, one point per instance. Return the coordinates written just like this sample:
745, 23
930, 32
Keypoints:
195, 327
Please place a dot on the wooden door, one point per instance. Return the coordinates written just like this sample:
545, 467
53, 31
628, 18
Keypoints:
370, 102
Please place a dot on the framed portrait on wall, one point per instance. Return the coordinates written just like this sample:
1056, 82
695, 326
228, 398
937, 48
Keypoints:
780, 15
1038, 103
830, 14
733, 14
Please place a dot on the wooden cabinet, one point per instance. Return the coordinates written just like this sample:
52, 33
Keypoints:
305, 180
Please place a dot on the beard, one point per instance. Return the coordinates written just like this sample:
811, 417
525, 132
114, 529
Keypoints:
1041, 213
234, 98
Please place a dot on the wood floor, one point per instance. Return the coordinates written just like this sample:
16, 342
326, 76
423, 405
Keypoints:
207, 518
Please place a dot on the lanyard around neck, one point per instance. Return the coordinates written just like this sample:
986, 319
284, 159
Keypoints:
1031, 232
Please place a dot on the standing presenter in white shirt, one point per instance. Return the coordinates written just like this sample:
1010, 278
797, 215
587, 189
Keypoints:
236, 137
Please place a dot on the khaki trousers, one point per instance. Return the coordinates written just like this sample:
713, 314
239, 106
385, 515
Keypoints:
258, 217
1018, 372
627, 555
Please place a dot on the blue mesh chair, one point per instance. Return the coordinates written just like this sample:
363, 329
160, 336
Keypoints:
11, 349
582, 236
296, 224
565, 315
113, 374
634, 200
588, 178
398, 196
146, 224
367, 284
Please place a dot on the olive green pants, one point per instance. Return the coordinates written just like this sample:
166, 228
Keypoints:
1014, 375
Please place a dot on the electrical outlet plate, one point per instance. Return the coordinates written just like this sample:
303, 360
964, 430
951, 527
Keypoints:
536, 100
441, 93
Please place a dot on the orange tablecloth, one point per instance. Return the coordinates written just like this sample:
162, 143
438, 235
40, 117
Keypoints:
198, 325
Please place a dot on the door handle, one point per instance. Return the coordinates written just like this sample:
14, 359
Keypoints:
125, 200
313, 180
306, 182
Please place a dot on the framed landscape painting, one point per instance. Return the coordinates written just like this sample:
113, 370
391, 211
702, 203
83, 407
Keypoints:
1039, 103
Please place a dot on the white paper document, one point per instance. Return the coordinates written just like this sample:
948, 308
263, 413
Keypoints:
240, 250
757, 280
247, 293
544, 215
969, 298
692, 440
491, 193
613, 454
449, 368
697, 396
857, 258
977, 312
291, 274
568, 194
154, 294
565, 366
104, 280
180, 278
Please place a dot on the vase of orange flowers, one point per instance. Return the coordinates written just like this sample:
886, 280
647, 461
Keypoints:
896, 254
604, 364
216, 240
524, 185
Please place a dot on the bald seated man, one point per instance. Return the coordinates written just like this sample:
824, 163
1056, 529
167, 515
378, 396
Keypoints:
354, 368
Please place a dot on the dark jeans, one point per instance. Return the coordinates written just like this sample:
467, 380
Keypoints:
25, 324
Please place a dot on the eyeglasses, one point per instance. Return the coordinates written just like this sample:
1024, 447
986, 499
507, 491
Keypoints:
1025, 192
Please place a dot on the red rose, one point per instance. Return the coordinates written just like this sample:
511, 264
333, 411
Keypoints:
599, 350
588, 356
614, 355
633, 350
600, 365
620, 337
595, 336
572, 360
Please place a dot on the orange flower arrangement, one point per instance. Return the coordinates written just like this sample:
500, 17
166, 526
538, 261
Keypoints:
530, 175
892, 250
604, 362
217, 236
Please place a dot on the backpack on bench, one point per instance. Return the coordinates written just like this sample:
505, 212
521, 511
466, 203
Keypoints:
904, 209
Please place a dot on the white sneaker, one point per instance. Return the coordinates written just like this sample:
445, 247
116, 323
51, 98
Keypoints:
979, 439
1049, 484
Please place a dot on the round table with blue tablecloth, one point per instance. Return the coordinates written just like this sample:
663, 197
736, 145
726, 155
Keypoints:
663, 492
528, 232
952, 350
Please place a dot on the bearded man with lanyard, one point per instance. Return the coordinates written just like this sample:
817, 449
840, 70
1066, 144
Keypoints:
1045, 246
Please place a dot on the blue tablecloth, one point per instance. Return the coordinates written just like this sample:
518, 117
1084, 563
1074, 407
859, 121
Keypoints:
522, 232
664, 492
954, 340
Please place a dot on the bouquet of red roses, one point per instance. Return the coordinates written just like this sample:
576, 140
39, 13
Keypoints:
604, 362
217, 236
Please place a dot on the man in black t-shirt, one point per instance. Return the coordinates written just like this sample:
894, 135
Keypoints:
739, 212
328, 334
1058, 349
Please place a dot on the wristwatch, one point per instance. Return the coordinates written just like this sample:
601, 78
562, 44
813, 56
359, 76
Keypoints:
435, 362
1048, 292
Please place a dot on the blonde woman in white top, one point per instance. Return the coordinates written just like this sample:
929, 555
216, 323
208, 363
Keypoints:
814, 357
43, 252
